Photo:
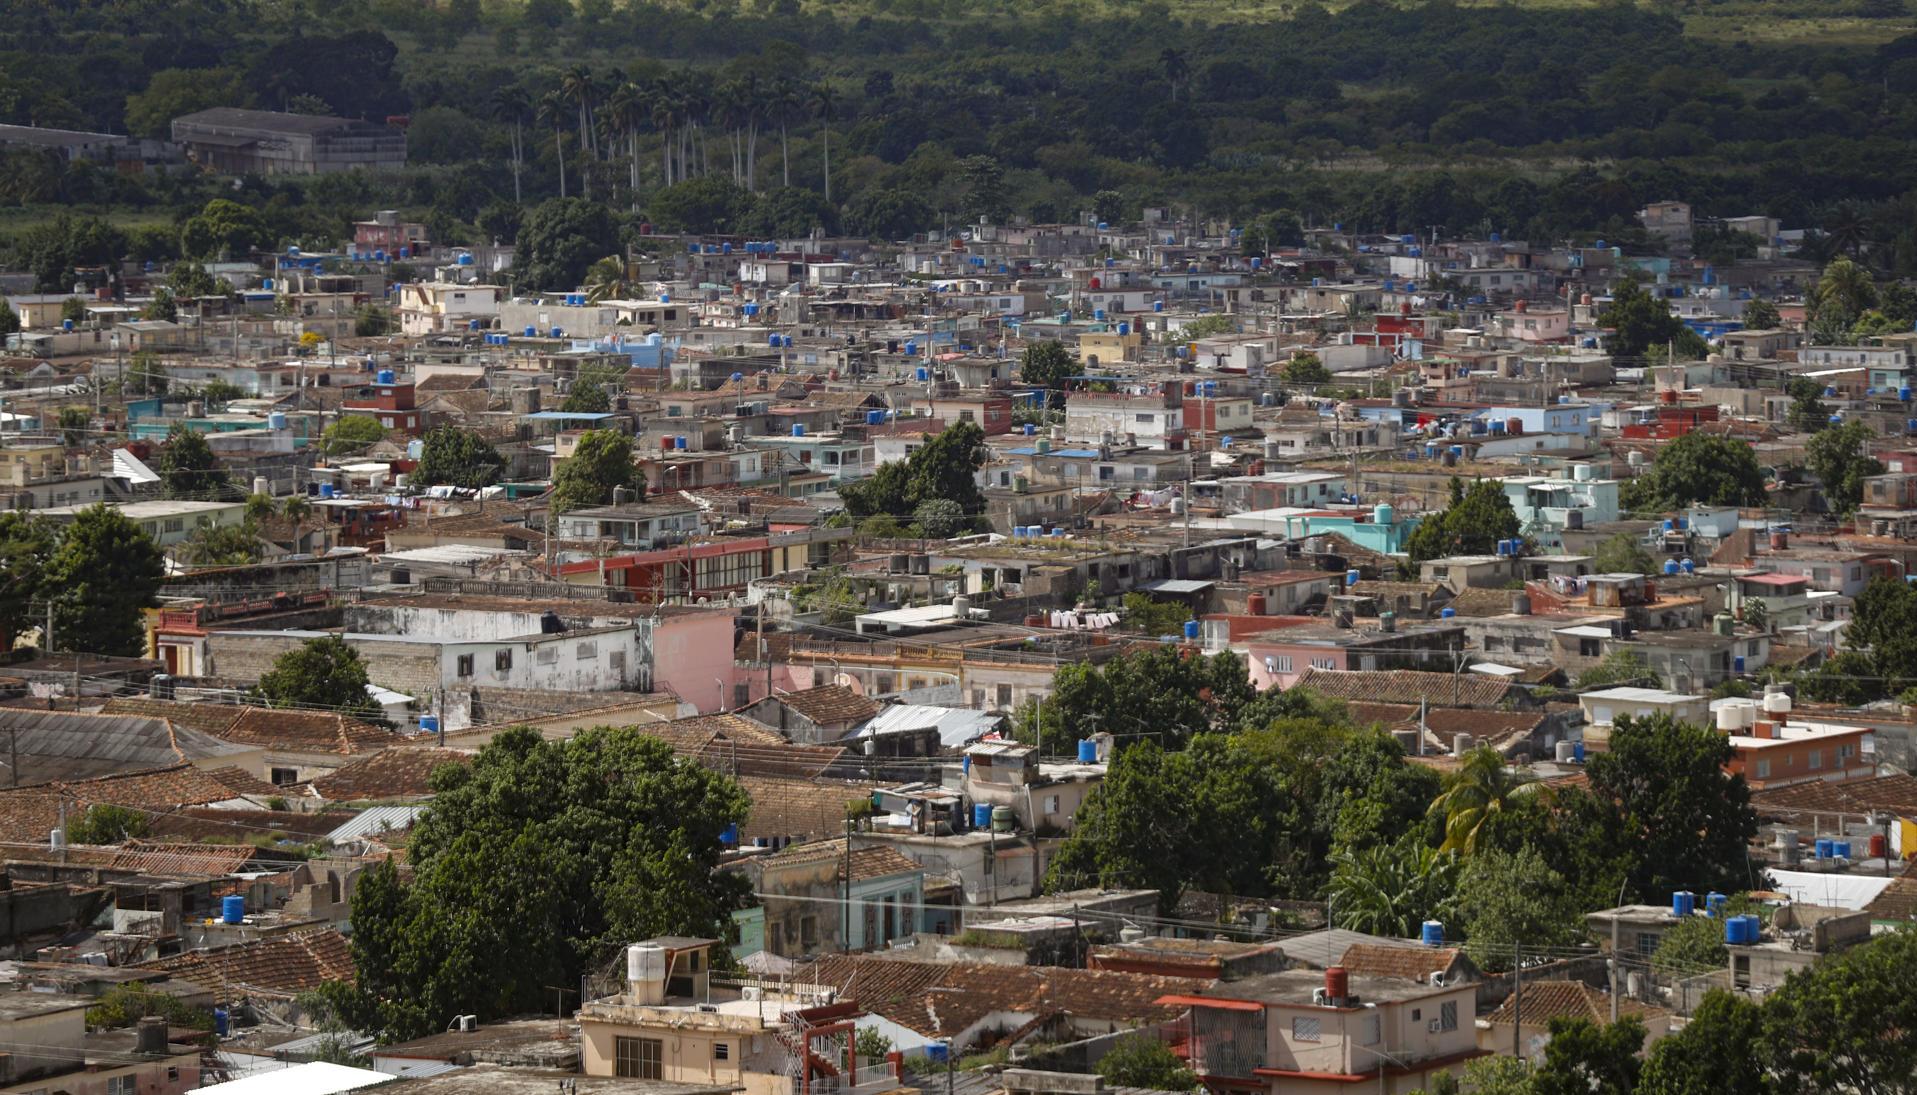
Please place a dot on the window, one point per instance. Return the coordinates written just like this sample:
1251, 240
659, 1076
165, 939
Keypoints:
1146, 419
722, 1051
123, 1085
1051, 804
966, 416
464, 666
1281, 663
1816, 759
1304, 1028
808, 931
1004, 696
175, 524
586, 650
1764, 768
637, 1058
548, 655
285, 777
1371, 1032
1448, 1015
502, 660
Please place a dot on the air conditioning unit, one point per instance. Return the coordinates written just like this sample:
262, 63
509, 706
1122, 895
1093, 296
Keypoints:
1435, 1025
751, 992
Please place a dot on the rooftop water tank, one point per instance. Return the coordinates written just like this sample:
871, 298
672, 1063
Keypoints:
981, 815
1683, 903
1191, 631
233, 909
384, 376
276, 420
798, 429
1432, 933
1087, 751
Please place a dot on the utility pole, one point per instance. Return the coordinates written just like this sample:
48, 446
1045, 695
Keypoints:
1517, 999
845, 921
1616, 967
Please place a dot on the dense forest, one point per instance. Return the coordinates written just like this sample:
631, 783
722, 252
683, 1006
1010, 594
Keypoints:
886, 117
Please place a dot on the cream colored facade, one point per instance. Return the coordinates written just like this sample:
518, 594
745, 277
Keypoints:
736, 1043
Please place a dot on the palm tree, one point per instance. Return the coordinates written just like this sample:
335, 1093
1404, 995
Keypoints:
510, 104
1175, 66
752, 100
626, 112
578, 89
1845, 292
822, 97
606, 280
1389, 889
787, 99
552, 112
1477, 792
665, 119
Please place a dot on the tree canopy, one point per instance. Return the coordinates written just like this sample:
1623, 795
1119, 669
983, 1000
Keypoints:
457, 457
1048, 364
600, 463
1698, 467
104, 573
1640, 321
535, 864
188, 467
944, 467
1473, 524
324, 673
1840, 459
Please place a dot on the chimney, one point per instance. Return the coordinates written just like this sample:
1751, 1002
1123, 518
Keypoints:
150, 1035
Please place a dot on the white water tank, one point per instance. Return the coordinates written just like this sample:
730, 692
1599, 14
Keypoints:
1565, 752
1461, 745
646, 972
1729, 720
1777, 704
261, 486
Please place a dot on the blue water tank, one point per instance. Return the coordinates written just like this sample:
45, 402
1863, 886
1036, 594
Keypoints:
1098, 314
1124, 327
558, 332
1683, 903
1158, 305
465, 260
1087, 751
233, 909
921, 373
679, 443
1823, 847
736, 377
276, 420
220, 1022
1191, 630
1903, 393
874, 418
429, 724
1030, 429
772, 341
911, 349
1225, 443
729, 836
1448, 613
379, 256
405, 252
1829, 392
1840, 848
326, 490
1257, 263
1670, 567
1837, 419
692, 248
1687, 566
1352, 578
384, 376
981, 815
798, 429
532, 332
66, 325
1714, 903
1737, 665
1431, 934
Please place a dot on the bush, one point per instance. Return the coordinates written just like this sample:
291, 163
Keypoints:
105, 823
1145, 1062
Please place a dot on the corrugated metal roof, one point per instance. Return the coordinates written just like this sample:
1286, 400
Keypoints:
956, 726
311, 1078
375, 820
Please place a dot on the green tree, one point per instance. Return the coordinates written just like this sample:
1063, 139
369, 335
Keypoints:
1048, 364
1843, 293
457, 457
1840, 459
1390, 889
9, 320
1844, 1023
224, 229
1149, 616
321, 674
709, 203
1472, 525
104, 573
558, 241
351, 433
1698, 467
372, 321
27, 544
601, 462
1477, 791
1583, 1058
1497, 1076
1761, 315
124, 1005
887, 213
188, 467
586, 397
162, 306
145, 375
105, 823
1722, 1048
1692, 946
1143, 1061
1639, 321
1162, 690
1219, 323
943, 467
940, 518
73, 310
537, 863
190, 279
1306, 369
74, 424
1807, 413
1622, 554
1617, 667
1686, 821
220, 545
1505, 901
173, 92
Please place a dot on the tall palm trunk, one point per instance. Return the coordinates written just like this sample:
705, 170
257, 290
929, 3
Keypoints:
559, 150
519, 158
752, 154
785, 153
828, 163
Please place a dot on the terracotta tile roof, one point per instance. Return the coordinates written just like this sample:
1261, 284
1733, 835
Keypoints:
242, 782
1895, 794
1476, 601
30, 813
185, 860
203, 823
279, 965
1548, 1000
799, 808
936, 1000
734, 743
1443, 724
1409, 686
318, 731
1897, 902
831, 705
866, 863
389, 774
1407, 963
